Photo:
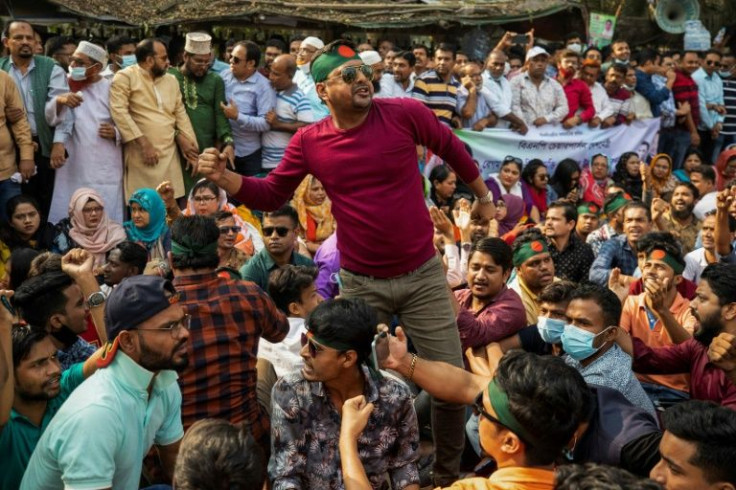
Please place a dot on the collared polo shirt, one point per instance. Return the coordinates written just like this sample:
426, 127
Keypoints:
100, 435
260, 266
19, 437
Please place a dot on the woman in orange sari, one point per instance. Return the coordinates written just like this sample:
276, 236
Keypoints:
315, 213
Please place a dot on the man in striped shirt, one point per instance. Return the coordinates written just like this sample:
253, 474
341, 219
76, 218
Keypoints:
437, 89
728, 74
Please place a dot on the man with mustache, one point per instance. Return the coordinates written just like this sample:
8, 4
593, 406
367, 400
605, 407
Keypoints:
33, 393
677, 217
100, 435
535, 270
365, 156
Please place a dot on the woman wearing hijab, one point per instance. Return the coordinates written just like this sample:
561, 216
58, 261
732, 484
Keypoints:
206, 199
148, 223
25, 227
659, 178
725, 168
88, 226
594, 180
628, 176
315, 213
514, 215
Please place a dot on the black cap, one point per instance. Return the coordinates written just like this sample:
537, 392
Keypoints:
135, 300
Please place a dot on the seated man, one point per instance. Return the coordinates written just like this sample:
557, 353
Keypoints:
613, 209
534, 270
710, 356
216, 454
698, 447
292, 288
34, 392
678, 217
306, 407
572, 256
487, 310
126, 259
717, 234
473, 99
588, 220
589, 343
660, 316
279, 234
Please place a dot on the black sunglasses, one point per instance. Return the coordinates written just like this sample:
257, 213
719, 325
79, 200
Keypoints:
350, 73
235, 60
479, 410
711, 62
510, 159
280, 230
224, 230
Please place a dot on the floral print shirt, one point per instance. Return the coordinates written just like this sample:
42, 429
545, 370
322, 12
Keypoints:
305, 428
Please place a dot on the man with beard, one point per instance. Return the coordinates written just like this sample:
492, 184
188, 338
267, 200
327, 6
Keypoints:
401, 82
104, 429
303, 76
537, 98
579, 99
32, 395
618, 96
534, 270
437, 88
407, 281
710, 356
678, 217
202, 92
661, 317
279, 233
146, 105
613, 209
229, 317
374, 60
421, 54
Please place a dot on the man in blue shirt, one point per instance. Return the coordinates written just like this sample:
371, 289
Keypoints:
650, 65
712, 108
250, 97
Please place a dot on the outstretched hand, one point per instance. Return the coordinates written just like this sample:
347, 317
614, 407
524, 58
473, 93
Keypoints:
77, 262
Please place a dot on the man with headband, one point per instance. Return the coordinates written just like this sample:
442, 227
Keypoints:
228, 319
612, 208
365, 156
107, 425
661, 317
534, 270
307, 404
588, 219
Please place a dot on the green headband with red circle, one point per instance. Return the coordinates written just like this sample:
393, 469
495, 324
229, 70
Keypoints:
327, 61
660, 255
529, 250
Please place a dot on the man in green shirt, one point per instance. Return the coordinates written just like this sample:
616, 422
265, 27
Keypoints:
32, 394
279, 235
202, 92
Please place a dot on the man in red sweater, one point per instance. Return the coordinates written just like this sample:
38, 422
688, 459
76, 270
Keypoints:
365, 156
579, 99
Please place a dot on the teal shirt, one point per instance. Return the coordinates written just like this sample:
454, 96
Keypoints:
20, 436
258, 268
100, 435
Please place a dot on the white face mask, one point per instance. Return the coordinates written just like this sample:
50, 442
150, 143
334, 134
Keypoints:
629, 88
576, 47
506, 68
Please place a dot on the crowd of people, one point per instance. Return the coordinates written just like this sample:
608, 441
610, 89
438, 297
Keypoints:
278, 267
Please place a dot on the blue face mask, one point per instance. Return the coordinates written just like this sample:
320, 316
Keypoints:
578, 343
128, 60
550, 329
78, 73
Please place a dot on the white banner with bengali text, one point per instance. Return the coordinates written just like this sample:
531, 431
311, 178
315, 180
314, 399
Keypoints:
551, 144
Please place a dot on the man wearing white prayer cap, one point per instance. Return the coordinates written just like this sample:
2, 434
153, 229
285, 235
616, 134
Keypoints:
202, 92
95, 155
303, 77
374, 59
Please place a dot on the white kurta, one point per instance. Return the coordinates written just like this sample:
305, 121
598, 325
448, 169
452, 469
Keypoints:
93, 161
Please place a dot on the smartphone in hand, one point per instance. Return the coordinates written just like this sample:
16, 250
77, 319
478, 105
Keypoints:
379, 349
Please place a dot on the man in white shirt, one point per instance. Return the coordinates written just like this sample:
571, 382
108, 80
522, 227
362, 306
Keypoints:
401, 82
303, 76
499, 89
604, 117
715, 230
703, 178
537, 98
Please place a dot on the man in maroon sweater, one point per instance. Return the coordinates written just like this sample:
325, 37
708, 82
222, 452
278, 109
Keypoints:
365, 156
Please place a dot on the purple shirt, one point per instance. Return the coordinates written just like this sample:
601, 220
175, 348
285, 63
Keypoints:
503, 316
327, 260
370, 174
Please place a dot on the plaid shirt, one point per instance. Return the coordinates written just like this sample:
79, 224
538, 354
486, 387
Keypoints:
616, 252
228, 318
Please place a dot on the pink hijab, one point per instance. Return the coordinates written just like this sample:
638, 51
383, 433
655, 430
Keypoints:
98, 240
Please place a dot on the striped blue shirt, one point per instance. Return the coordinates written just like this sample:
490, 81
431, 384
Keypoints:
291, 106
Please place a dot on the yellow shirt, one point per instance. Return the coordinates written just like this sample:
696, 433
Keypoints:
513, 478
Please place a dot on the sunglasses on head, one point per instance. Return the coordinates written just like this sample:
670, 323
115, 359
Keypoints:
224, 230
280, 231
510, 159
350, 73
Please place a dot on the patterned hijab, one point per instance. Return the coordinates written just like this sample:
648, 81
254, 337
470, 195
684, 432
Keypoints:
150, 201
97, 240
660, 186
320, 213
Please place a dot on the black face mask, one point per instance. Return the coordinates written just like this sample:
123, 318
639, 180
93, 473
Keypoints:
65, 336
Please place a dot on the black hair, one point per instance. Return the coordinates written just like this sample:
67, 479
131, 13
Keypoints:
55, 44
351, 322
222, 215
691, 51
705, 170
510, 160
24, 338
496, 248
572, 35
252, 51
195, 233
713, 51
696, 151
659, 239
446, 47
530, 170
570, 211
421, 46
590, 476
133, 254
631, 183
284, 211
731, 220
218, 455
647, 54
551, 411
20, 264
561, 178
206, 184
526, 236
408, 56
115, 43
557, 292
296, 38
276, 43
146, 48
721, 279
286, 284
42, 296
712, 430
591, 48
606, 299
638, 205
440, 173
690, 186
9, 23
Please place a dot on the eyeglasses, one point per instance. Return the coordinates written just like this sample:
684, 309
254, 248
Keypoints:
314, 346
280, 231
203, 199
350, 73
713, 63
173, 328
97, 209
224, 230
479, 410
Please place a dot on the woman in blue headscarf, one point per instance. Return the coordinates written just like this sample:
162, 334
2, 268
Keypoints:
148, 224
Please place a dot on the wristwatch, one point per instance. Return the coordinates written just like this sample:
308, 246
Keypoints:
487, 199
96, 299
